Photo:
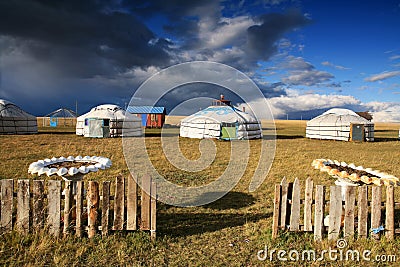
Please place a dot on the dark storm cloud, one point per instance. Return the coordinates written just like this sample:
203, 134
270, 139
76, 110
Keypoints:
83, 38
54, 52
261, 39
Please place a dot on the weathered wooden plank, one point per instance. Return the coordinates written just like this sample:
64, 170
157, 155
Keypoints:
275, 218
131, 204
23, 207
105, 209
295, 208
79, 208
54, 207
93, 200
389, 221
145, 202
308, 198
362, 216
349, 199
37, 204
7, 191
67, 207
153, 210
319, 212
284, 203
376, 210
335, 212
119, 207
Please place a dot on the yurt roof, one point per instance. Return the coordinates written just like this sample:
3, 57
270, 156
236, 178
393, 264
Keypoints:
62, 113
108, 111
8, 109
220, 114
340, 111
338, 115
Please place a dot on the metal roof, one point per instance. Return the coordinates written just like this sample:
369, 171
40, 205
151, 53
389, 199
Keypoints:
62, 113
145, 110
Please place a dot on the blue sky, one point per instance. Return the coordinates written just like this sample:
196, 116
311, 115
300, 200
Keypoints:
306, 56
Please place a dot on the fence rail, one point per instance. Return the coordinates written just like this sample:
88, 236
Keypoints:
349, 214
87, 211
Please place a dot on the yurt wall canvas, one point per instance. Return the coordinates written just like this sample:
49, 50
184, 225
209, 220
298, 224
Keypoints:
339, 124
13, 120
108, 121
221, 122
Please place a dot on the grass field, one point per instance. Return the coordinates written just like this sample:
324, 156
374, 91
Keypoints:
228, 232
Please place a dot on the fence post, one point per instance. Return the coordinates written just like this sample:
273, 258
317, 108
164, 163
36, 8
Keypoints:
350, 199
79, 208
362, 211
319, 212
153, 210
145, 200
67, 206
376, 210
308, 198
54, 207
93, 205
284, 202
7, 191
131, 204
105, 210
119, 207
277, 204
23, 207
38, 205
335, 212
295, 208
389, 222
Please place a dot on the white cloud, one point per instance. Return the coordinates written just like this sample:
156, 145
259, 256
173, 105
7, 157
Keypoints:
384, 111
296, 103
329, 64
227, 32
308, 77
394, 57
382, 76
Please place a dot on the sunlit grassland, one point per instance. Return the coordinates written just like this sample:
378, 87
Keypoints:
228, 232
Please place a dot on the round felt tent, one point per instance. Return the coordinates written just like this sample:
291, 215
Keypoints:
108, 121
13, 120
340, 124
222, 122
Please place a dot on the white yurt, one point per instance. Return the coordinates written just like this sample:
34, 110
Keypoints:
108, 121
340, 124
221, 121
13, 120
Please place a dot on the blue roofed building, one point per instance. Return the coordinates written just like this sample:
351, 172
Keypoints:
152, 117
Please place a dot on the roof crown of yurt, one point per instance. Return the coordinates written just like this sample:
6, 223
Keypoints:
221, 121
14, 120
340, 124
108, 120
60, 117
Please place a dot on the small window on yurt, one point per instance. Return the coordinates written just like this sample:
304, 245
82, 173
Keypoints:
106, 122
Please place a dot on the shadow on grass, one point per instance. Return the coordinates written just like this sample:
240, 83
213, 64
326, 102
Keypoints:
232, 200
386, 139
289, 136
186, 224
56, 132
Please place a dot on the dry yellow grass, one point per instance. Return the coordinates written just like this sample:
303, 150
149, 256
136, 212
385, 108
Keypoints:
228, 232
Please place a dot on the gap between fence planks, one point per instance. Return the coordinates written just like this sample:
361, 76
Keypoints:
342, 210
49, 215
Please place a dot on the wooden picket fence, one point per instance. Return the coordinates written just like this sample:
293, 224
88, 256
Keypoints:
57, 212
348, 218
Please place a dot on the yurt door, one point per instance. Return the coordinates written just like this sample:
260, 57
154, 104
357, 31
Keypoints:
357, 132
228, 131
